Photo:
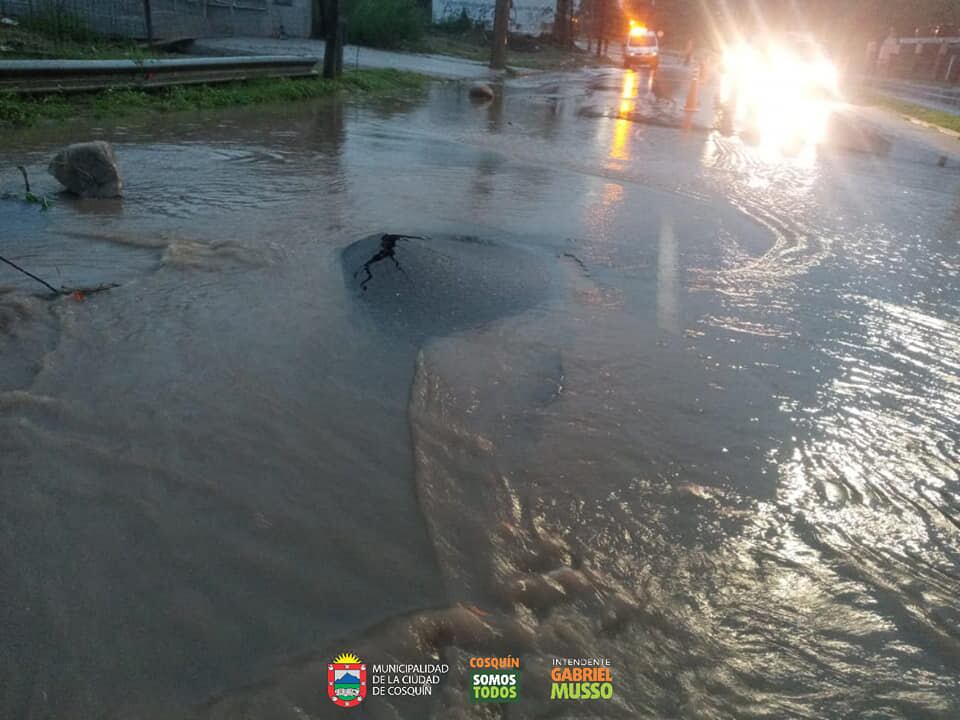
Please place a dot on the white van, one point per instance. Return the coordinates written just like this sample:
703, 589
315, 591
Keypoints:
641, 48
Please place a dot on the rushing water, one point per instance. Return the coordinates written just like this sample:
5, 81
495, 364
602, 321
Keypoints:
641, 394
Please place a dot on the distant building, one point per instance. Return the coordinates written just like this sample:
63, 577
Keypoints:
176, 18
529, 17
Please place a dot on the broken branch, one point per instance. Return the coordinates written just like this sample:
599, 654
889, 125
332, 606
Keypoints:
26, 179
31, 275
78, 293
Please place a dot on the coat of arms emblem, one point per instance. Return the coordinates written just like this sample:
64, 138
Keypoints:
347, 680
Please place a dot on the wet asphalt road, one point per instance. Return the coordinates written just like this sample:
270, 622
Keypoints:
682, 399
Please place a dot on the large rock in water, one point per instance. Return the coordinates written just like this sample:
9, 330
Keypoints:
481, 91
88, 169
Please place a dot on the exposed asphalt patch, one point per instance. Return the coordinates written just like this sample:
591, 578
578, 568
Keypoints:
421, 287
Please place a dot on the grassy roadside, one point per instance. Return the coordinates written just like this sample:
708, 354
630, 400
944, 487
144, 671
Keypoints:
941, 119
23, 111
467, 47
553, 58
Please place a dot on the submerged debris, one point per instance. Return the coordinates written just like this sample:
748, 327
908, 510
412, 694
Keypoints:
78, 294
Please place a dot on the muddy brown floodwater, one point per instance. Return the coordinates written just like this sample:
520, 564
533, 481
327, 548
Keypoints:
665, 398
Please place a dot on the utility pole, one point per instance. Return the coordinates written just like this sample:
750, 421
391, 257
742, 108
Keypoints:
501, 17
148, 17
317, 14
601, 25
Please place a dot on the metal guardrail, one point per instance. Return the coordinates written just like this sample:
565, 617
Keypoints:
40, 76
937, 96
929, 40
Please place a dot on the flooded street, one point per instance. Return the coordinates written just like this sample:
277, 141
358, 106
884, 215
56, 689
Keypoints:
662, 397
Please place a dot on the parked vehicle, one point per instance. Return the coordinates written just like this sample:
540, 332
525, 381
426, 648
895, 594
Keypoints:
642, 48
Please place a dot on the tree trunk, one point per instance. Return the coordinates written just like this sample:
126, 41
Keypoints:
341, 42
561, 22
332, 52
498, 53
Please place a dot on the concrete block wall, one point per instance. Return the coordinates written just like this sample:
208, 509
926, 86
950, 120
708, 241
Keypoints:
242, 18
109, 17
179, 18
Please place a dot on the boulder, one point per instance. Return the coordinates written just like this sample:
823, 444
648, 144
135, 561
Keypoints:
88, 170
481, 91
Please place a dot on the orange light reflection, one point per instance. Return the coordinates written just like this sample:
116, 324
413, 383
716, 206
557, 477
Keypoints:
621, 130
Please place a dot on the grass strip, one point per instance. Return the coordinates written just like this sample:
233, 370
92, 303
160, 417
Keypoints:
18, 110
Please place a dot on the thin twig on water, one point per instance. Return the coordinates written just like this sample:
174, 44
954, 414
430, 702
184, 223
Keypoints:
76, 293
31, 275
28, 194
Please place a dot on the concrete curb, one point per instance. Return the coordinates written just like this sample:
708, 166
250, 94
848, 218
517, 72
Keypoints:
931, 126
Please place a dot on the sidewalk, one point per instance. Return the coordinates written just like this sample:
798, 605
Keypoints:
439, 66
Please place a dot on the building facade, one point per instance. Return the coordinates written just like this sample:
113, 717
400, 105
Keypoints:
175, 18
528, 17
